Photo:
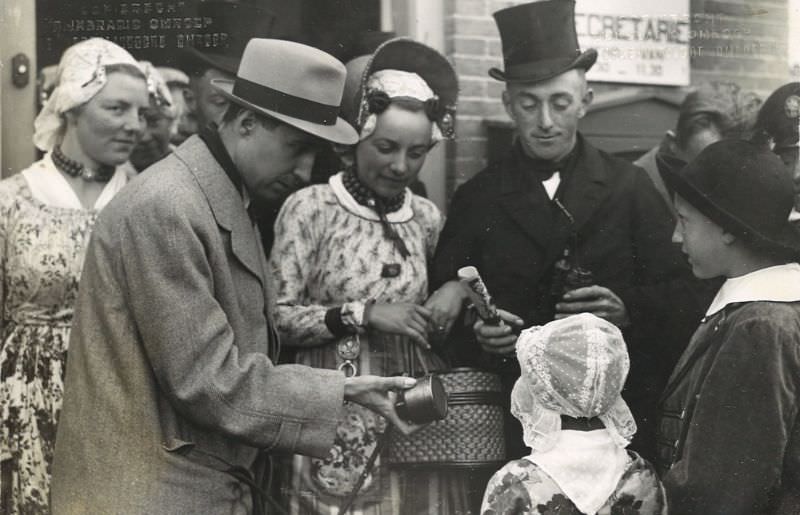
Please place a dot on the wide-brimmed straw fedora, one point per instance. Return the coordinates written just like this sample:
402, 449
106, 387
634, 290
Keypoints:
539, 41
240, 23
294, 83
744, 189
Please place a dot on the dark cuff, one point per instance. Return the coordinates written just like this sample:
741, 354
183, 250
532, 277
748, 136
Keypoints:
333, 319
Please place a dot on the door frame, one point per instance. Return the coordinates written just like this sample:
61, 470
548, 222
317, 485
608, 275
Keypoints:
17, 105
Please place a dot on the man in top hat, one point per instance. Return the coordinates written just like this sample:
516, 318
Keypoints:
557, 203
172, 398
778, 128
729, 432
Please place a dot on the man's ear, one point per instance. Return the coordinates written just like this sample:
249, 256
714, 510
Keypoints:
586, 101
507, 103
728, 238
246, 122
189, 99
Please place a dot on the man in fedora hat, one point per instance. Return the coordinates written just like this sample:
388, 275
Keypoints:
729, 432
555, 204
207, 105
172, 399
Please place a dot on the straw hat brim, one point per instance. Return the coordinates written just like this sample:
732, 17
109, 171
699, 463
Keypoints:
341, 132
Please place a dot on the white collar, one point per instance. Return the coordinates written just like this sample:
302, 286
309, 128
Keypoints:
794, 215
779, 283
586, 465
404, 214
551, 184
49, 186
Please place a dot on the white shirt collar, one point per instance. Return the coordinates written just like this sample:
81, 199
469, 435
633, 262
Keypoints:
404, 214
586, 465
779, 283
551, 184
51, 188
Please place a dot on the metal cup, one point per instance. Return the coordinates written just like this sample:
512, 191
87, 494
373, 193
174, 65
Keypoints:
425, 402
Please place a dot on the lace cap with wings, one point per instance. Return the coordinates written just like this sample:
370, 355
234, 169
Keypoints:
577, 367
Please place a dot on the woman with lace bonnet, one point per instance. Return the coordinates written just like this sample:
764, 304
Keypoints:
577, 426
87, 129
349, 263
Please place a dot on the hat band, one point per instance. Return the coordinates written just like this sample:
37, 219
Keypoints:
285, 103
544, 67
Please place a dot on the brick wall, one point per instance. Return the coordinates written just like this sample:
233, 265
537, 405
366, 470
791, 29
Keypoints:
744, 41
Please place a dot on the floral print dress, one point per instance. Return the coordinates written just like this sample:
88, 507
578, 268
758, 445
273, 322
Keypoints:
521, 487
42, 246
329, 250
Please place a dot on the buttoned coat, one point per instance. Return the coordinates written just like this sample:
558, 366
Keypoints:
729, 432
514, 234
170, 378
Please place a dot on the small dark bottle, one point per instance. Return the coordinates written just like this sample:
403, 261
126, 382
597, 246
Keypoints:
577, 278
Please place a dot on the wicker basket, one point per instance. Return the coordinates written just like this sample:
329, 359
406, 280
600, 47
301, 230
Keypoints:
470, 436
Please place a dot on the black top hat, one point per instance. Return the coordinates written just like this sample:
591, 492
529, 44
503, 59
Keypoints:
779, 116
539, 41
241, 22
744, 189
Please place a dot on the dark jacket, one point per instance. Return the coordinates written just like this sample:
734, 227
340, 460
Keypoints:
513, 233
729, 437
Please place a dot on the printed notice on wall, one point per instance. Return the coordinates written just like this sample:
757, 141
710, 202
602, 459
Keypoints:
151, 30
638, 41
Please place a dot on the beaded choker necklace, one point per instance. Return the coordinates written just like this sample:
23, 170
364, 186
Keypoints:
75, 169
365, 197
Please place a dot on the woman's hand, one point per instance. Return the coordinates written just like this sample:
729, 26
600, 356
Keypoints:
445, 305
400, 318
378, 394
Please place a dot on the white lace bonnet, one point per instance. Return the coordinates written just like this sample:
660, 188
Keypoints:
80, 76
577, 367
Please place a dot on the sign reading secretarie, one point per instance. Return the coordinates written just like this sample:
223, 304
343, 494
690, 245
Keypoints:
638, 41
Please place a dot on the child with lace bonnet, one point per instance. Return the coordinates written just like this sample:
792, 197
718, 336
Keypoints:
577, 426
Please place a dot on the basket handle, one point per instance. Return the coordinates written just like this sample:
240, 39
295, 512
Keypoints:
417, 353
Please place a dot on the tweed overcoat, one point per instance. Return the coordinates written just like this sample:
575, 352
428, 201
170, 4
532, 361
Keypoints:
170, 375
514, 234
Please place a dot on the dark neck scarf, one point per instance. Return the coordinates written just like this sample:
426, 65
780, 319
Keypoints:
75, 169
534, 171
211, 138
382, 207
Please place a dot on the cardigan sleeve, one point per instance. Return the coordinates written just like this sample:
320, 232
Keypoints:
292, 262
733, 456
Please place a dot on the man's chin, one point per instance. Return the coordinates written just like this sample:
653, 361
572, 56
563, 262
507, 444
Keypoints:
548, 150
